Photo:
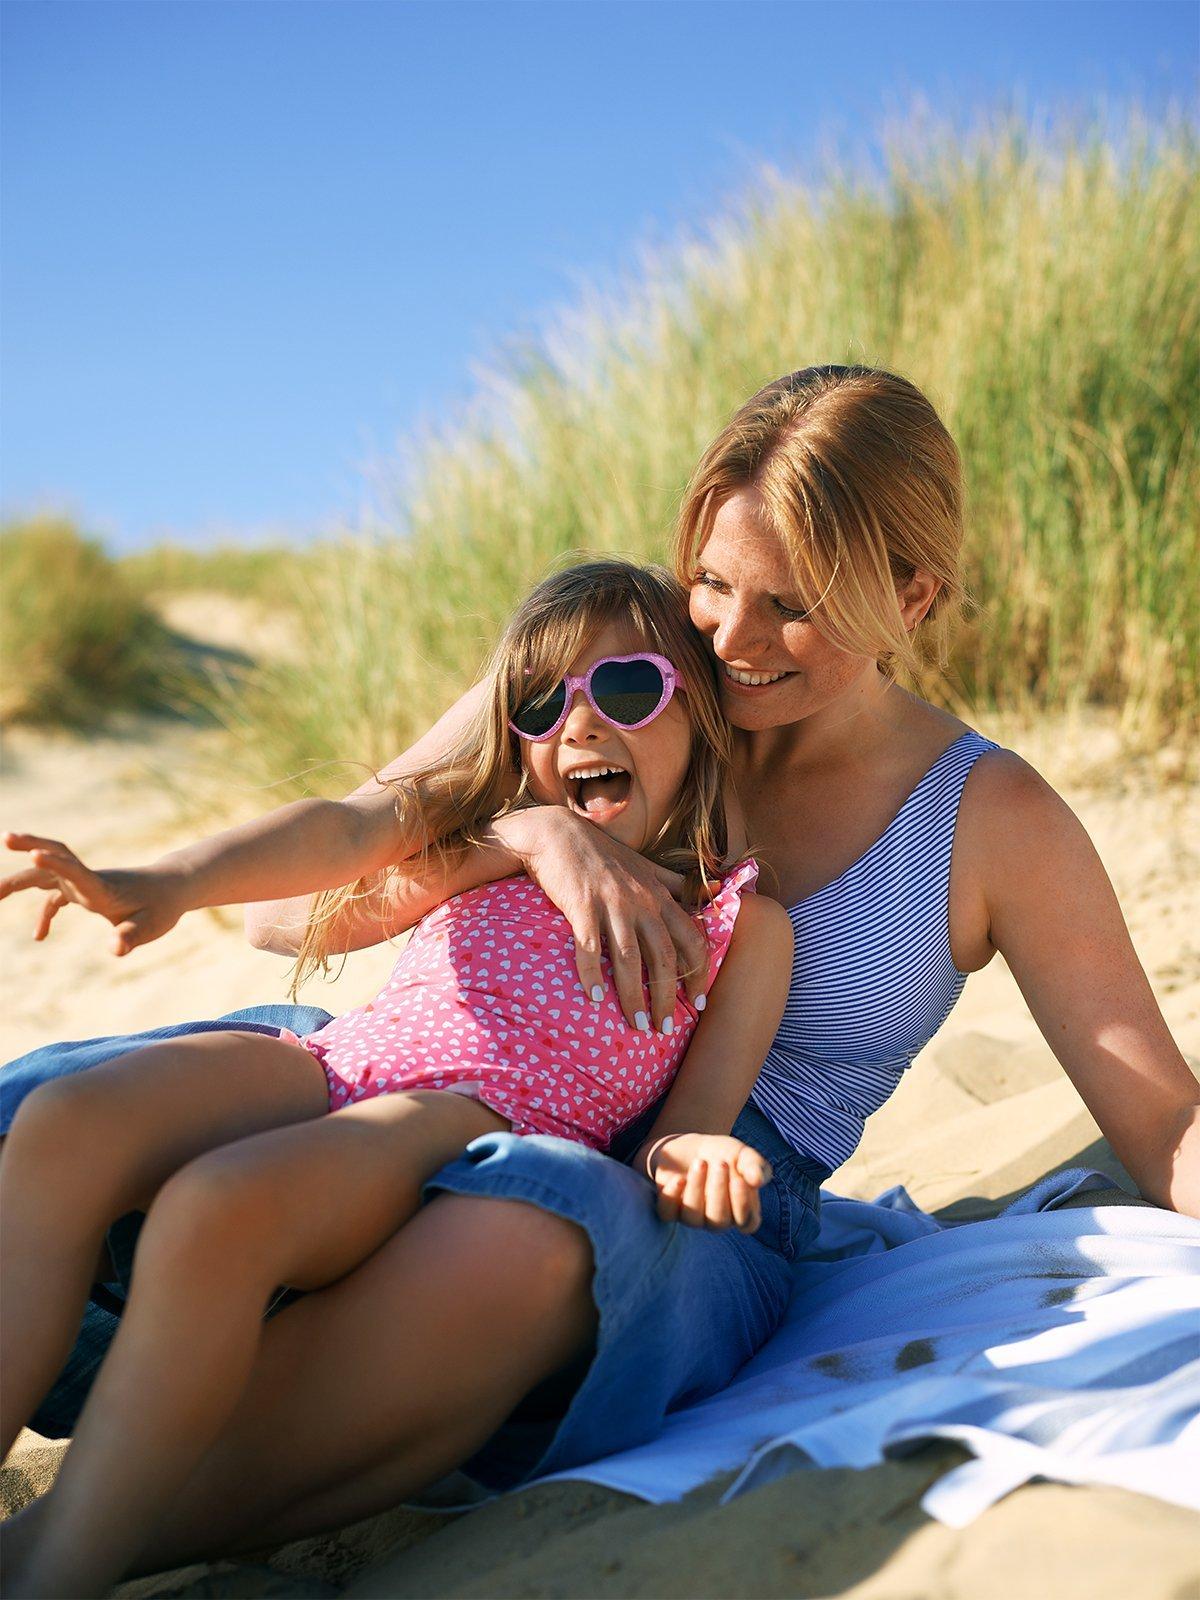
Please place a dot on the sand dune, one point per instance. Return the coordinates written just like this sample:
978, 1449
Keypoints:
985, 1112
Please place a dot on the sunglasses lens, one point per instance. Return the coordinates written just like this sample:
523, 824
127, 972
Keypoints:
536, 717
627, 691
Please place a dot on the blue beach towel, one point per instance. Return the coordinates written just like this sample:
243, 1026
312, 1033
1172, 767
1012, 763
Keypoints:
1058, 1344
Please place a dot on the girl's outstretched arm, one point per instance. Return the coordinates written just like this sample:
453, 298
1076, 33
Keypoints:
703, 1175
291, 854
303, 847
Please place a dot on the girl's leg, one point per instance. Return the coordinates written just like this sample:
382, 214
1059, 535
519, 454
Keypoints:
84, 1150
301, 1206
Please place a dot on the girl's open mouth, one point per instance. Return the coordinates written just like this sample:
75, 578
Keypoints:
601, 797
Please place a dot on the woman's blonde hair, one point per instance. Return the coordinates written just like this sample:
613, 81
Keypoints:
447, 804
859, 479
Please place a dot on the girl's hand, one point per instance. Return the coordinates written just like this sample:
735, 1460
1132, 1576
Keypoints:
142, 904
615, 899
709, 1180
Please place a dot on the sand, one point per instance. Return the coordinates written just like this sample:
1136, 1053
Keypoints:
984, 1112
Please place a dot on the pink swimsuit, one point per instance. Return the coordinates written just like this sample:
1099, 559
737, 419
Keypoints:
485, 1001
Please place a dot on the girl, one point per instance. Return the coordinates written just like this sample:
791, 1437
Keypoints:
600, 698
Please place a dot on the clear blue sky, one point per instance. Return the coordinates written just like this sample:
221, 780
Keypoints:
248, 246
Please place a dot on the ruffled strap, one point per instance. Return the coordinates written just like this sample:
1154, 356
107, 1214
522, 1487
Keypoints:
720, 914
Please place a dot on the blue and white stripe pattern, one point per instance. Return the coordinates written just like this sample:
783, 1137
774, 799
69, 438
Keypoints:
872, 977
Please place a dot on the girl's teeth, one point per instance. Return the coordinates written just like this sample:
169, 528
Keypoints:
754, 677
596, 772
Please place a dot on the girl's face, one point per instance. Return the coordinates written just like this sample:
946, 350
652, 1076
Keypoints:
654, 758
744, 600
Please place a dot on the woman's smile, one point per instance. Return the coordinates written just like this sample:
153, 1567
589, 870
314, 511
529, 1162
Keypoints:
750, 680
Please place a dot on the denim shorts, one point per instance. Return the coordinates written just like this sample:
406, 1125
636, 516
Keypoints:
681, 1309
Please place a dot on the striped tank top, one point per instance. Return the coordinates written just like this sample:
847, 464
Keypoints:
872, 976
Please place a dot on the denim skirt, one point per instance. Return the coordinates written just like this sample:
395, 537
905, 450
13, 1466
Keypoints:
681, 1309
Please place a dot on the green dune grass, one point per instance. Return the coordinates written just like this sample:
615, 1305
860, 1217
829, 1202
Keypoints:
1042, 289
77, 640
258, 572
1040, 284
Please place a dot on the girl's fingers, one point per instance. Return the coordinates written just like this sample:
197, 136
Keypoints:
31, 841
65, 863
127, 937
717, 1209
51, 906
692, 1207
90, 888
752, 1166
31, 878
742, 1200
692, 1197
670, 1195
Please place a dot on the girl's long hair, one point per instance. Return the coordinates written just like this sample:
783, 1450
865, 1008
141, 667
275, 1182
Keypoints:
858, 477
447, 804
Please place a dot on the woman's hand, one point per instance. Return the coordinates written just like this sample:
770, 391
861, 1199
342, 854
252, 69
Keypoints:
141, 903
615, 899
709, 1180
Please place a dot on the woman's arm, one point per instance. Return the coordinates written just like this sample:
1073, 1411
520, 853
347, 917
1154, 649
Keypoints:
1051, 912
718, 1071
614, 899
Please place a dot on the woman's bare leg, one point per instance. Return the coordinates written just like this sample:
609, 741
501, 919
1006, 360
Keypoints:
300, 1205
84, 1150
438, 1336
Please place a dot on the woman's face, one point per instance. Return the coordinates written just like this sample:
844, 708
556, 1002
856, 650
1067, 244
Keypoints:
655, 757
744, 600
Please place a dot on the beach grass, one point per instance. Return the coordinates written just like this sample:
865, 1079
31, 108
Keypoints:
262, 572
87, 634
79, 640
1042, 286
1041, 283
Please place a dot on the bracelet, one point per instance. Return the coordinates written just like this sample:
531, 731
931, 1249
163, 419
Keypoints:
652, 1149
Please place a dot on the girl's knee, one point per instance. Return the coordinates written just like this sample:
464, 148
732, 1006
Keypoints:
212, 1220
65, 1130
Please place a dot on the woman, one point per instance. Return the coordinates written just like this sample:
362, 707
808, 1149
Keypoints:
820, 539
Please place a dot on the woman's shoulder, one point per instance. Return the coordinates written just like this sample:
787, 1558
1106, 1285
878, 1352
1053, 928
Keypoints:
1003, 795
929, 734
1006, 798
1013, 830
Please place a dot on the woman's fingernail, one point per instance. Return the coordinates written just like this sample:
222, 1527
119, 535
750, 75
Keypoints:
668, 1025
642, 1021
700, 1002
597, 993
